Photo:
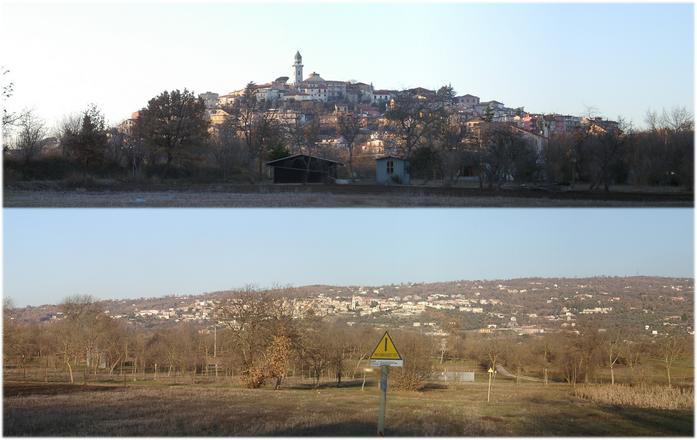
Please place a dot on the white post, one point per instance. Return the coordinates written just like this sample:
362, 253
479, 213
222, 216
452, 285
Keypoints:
488, 393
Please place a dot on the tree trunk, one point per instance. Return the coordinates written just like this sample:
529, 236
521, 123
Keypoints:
350, 162
612, 375
70, 369
113, 366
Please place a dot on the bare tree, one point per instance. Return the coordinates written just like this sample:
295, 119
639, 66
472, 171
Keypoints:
31, 132
253, 319
671, 348
258, 125
410, 118
80, 331
613, 347
349, 126
677, 119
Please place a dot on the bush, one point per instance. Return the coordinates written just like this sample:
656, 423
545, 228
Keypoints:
253, 378
416, 352
48, 168
643, 396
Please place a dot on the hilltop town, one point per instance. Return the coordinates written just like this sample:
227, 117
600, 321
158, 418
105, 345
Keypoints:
648, 305
305, 97
355, 139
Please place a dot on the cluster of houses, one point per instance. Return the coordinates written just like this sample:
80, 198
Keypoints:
493, 307
287, 102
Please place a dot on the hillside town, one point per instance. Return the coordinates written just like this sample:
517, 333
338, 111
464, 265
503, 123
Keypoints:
520, 307
312, 96
306, 129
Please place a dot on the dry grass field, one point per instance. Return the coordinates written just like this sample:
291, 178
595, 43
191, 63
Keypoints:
216, 409
38, 194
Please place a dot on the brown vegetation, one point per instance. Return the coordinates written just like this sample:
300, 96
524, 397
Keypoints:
642, 396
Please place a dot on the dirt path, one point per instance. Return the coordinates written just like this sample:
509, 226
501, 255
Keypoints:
507, 373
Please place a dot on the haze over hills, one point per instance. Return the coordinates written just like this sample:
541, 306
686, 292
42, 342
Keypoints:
526, 305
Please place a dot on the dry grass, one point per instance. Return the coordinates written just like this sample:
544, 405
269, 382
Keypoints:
642, 396
223, 410
14, 198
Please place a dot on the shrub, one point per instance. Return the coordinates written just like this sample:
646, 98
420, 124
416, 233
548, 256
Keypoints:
416, 352
254, 377
643, 396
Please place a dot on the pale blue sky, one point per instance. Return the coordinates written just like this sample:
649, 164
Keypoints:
619, 58
125, 253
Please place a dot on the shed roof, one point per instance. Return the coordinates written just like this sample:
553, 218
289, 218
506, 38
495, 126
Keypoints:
390, 157
271, 163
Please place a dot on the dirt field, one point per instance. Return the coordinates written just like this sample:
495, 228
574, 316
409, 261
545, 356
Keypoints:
218, 196
150, 409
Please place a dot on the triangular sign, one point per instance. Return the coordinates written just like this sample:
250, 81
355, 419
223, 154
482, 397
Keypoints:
385, 349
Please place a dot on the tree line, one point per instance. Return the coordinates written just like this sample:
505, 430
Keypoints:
257, 341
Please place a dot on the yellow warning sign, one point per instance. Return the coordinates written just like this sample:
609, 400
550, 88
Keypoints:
385, 350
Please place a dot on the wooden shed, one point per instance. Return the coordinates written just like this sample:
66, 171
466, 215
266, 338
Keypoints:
391, 169
301, 168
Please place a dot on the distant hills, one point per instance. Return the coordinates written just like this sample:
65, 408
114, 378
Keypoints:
643, 302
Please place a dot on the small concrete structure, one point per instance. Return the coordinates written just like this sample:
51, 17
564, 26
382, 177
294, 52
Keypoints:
456, 376
391, 170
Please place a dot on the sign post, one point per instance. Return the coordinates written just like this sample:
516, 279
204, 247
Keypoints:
384, 371
384, 356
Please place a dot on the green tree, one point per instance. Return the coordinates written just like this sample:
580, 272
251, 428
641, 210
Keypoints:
172, 125
445, 95
278, 151
489, 114
85, 139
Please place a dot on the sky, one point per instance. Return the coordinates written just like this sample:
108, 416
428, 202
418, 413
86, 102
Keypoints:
619, 59
50, 254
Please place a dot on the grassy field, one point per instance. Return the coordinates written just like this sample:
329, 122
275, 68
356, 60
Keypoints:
158, 409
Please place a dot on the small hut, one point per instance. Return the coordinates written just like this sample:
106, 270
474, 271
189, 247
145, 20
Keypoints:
391, 169
301, 168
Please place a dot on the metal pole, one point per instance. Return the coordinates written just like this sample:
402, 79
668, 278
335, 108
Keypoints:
384, 369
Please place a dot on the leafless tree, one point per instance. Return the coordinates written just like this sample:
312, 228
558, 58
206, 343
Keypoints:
410, 118
671, 348
30, 134
253, 319
613, 349
677, 119
81, 330
257, 124
349, 126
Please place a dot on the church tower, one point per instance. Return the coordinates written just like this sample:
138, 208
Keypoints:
298, 68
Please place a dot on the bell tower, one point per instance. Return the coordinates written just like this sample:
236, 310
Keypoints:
298, 68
